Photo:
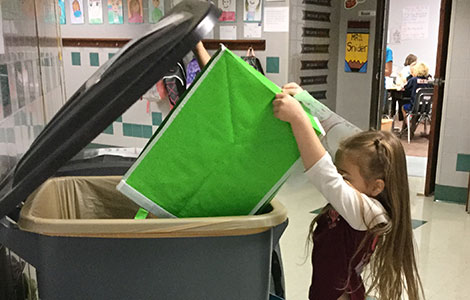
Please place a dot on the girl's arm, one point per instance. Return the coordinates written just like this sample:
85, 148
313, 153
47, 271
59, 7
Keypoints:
357, 209
360, 211
289, 110
202, 55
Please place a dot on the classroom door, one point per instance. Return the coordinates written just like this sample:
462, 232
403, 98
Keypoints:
378, 67
440, 74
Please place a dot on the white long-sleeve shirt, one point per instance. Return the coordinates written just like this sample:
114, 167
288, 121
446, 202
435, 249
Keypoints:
346, 200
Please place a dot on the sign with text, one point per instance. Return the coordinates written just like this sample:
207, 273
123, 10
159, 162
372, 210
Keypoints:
318, 2
357, 47
308, 80
316, 32
314, 64
315, 48
316, 16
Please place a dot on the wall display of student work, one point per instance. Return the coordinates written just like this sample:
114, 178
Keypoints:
92, 11
76, 12
252, 10
95, 12
61, 8
156, 10
135, 11
310, 46
229, 13
115, 13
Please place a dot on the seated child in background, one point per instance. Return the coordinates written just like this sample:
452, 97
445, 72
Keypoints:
419, 79
405, 73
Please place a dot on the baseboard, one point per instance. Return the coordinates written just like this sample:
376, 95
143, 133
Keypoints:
452, 194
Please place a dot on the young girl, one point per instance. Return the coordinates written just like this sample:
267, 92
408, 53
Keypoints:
419, 79
368, 215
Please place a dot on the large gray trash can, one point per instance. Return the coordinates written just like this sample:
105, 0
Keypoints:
80, 234
89, 248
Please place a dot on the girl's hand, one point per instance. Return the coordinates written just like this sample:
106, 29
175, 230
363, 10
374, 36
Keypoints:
291, 88
288, 109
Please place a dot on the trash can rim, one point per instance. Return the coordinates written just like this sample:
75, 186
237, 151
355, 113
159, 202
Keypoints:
54, 221
154, 228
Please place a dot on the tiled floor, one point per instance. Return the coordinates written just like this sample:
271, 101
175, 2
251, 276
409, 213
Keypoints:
418, 146
443, 241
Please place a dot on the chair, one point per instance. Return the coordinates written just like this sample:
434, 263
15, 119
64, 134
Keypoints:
421, 112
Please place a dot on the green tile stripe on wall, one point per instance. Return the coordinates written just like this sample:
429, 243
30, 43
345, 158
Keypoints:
136, 130
11, 135
156, 118
37, 129
272, 65
109, 129
3, 136
463, 162
126, 129
76, 61
146, 131
450, 194
94, 59
5, 91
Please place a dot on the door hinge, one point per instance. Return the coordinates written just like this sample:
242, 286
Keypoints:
439, 82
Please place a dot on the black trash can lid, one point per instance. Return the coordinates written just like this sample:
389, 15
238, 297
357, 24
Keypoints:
106, 95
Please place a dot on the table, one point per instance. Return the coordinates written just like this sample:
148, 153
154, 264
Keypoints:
395, 94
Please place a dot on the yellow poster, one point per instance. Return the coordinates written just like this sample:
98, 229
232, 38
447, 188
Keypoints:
357, 47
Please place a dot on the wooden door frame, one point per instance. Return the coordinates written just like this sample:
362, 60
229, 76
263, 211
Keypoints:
378, 67
438, 98
440, 72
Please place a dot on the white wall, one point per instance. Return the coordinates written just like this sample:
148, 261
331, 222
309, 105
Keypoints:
425, 48
454, 136
353, 95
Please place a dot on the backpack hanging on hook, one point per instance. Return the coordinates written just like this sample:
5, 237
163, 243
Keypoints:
252, 60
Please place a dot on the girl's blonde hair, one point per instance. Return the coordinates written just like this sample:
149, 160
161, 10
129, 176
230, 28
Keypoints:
393, 269
421, 69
